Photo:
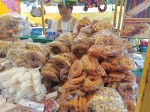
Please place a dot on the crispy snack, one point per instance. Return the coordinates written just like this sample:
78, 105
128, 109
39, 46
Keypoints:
91, 83
106, 100
57, 47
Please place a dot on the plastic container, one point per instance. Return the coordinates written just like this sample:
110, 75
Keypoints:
143, 49
49, 34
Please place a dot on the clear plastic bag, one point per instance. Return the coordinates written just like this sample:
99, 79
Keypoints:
128, 89
82, 23
99, 26
13, 25
106, 100
104, 51
73, 101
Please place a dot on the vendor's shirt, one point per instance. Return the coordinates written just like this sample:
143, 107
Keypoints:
64, 26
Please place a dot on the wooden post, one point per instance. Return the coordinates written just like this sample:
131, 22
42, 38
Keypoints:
143, 100
115, 13
120, 15
43, 21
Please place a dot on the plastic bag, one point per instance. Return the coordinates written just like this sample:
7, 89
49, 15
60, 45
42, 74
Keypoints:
13, 25
73, 101
99, 26
106, 100
82, 23
128, 89
4, 48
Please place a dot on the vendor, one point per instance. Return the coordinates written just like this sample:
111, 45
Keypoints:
67, 23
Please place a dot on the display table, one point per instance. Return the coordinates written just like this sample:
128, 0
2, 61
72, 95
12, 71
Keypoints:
36, 39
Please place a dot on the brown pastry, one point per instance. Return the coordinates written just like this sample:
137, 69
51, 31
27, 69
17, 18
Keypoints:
60, 62
79, 50
34, 59
110, 67
57, 47
92, 83
127, 63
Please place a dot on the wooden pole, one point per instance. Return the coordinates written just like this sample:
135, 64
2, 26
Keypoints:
115, 13
144, 89
120, 15
43, 23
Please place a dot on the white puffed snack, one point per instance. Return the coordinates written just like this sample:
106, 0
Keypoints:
14, 88
24, 92
25, 76
26, 84
6, 75
16, 77
36, 74
106, 100
6, 84
38, 89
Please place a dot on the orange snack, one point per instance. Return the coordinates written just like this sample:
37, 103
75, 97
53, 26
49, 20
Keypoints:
78, 79
92, 83
76, 69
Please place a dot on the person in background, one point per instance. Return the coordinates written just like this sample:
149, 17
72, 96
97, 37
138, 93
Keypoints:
67, 23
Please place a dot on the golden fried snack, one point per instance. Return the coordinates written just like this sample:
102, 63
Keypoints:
110, 67
71, 57
70, 86
78, 92
129, 77
131, 105
84, 40
113, 61
99, 26
78, 79
112, 85
89, 96
92, 83
34, 59
60, 62
83, 104
127, 63
67, 39
4, 47
79, 50
76, 103
87, 64
82, 23
127, 44
103, 51
57, 47
99, 71
50, 72
117, 75
110, 80
76, 69
85, 31
38, 47
127, 90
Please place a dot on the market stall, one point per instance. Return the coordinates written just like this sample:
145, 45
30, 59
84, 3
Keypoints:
90, 71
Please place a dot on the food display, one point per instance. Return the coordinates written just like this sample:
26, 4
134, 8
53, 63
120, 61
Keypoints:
86, 72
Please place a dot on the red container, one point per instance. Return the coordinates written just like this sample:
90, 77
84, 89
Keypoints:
143, 43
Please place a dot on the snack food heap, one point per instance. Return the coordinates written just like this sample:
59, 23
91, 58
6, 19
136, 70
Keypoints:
90, 71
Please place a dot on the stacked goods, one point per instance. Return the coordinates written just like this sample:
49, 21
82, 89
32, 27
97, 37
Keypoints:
12, 26
24, 54
90, 69
18, 83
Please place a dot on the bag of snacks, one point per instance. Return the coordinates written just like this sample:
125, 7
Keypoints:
13, 25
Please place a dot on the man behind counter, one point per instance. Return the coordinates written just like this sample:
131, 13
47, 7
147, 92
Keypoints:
67, 23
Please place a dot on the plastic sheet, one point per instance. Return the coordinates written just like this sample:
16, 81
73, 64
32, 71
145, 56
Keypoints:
106, 100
